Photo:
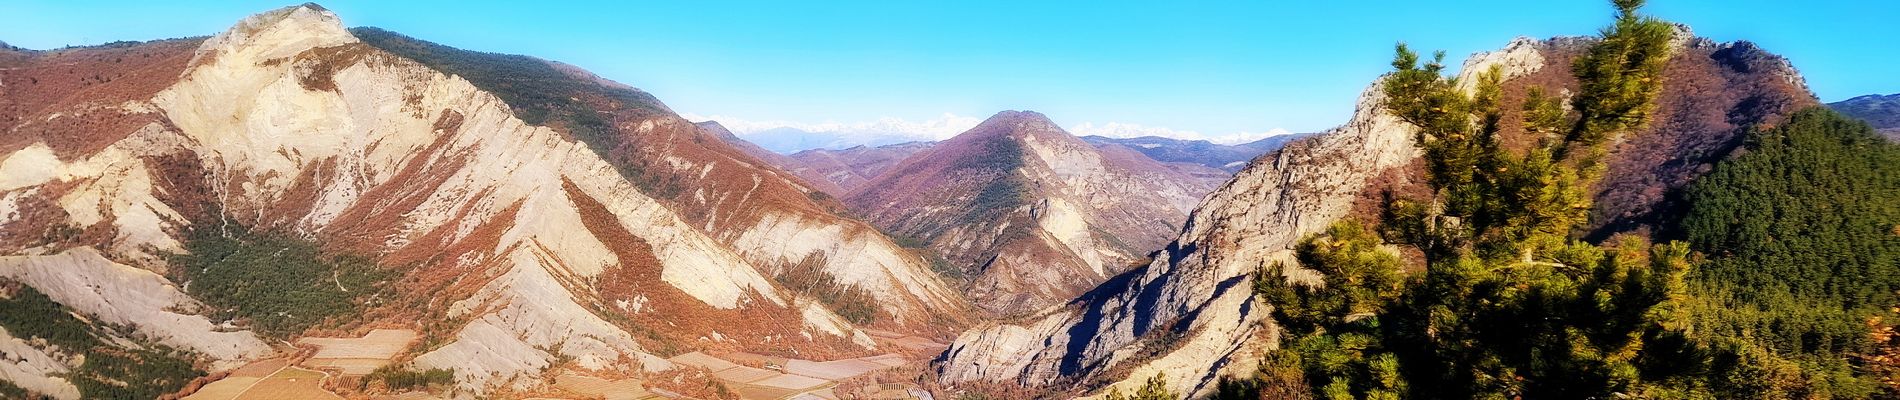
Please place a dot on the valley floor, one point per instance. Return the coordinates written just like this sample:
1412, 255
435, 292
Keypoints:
346, 361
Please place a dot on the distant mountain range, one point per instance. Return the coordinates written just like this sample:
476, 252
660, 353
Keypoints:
788, 140
831, 168
1230, 158
817, 180
852, 167
1881, 111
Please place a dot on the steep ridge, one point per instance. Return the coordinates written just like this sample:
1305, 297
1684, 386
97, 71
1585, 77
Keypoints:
446, 170
1030, 213
519, 245
851, 168
769, 216
1190, 315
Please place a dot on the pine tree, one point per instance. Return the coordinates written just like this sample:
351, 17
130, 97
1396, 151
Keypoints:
1509, 304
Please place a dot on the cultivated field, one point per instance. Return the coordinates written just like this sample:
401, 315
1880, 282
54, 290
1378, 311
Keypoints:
359, 356
591, 387
751, 376
276, 379
785, 378
267, 380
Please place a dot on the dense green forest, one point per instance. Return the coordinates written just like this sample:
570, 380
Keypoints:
133, 373
281, 284
110, 370
1782, 284
1802, 235
395, 377
30, 314
807, 276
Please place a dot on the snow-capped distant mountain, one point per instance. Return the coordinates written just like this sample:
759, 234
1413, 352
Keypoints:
788, 140
1227, 157
787, 137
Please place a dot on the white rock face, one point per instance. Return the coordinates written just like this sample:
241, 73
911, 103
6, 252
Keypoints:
1199, 288
1086, 175
119, 294
261, 129
114, 184
30, 166
276, 34
1070, 228
33, 369
855, 255
1518, 58
1088, 196
423, 161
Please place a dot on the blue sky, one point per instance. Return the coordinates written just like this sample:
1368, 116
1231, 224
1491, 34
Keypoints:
1213, 68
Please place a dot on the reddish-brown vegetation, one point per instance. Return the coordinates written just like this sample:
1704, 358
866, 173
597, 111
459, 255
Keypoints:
71, 98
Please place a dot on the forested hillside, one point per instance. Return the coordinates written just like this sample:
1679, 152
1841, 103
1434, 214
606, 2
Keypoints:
1779, 282
1802, 238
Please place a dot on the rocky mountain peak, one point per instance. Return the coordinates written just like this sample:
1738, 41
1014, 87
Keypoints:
1017, 124
1746, 57
1519, 57
278, 33
717, 129
1032, 214
1016, 116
